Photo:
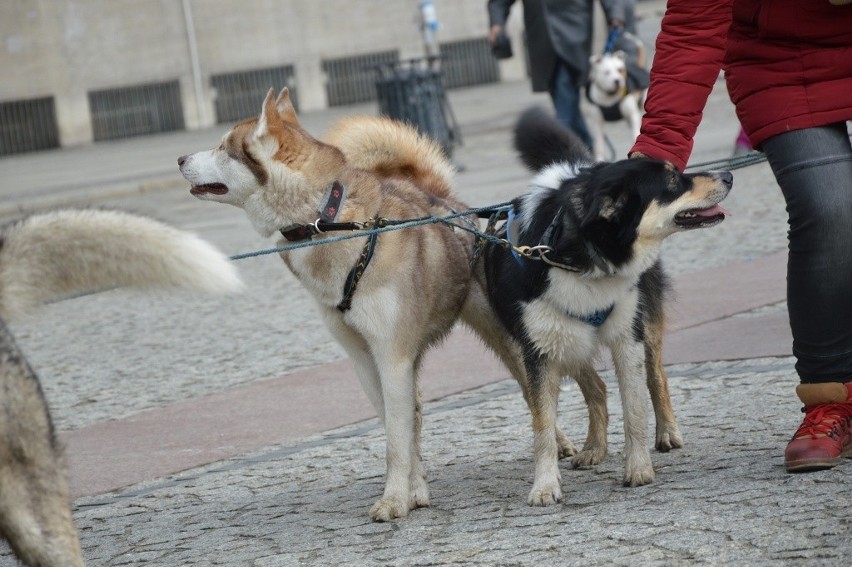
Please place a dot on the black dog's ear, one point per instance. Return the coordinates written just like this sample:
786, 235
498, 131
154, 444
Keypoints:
609, 208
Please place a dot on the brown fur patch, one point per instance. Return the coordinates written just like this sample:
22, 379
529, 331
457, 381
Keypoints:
236, 145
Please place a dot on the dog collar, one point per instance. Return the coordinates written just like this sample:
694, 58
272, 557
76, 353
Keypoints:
332, 203
595, 256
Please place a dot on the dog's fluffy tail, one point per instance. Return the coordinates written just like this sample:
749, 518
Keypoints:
57, 254
541, 141
393, 149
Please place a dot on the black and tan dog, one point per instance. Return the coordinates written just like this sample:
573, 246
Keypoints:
600, 227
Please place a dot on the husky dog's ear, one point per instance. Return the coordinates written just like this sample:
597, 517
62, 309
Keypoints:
269, 113
281, 108
270, 121
285, 107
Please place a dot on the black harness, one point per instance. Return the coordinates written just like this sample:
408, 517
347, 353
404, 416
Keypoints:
333, 201
548, 238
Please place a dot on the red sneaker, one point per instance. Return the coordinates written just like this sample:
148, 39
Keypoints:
825, 435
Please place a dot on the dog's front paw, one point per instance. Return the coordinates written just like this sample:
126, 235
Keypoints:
545, 493
566, 447
419, 493
668, 437
638, 475
589, 457
389, 508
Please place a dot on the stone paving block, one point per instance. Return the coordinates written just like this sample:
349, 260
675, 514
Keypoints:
723, 499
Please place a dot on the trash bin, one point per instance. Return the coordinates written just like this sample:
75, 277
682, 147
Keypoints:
411, 91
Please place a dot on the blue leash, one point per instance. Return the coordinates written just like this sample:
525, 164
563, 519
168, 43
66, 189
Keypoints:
609, 46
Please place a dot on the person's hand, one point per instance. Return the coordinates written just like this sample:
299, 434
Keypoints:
616, 23
493, 33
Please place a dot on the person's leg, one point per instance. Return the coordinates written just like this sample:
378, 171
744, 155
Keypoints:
565, 93
814, 170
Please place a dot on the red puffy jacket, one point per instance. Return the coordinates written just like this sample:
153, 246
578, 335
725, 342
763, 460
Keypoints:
788, 65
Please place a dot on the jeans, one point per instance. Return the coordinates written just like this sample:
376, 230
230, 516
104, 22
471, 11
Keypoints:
565, 92
814, 170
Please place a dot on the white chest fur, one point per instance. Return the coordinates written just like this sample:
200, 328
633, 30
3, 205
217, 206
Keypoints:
555, 321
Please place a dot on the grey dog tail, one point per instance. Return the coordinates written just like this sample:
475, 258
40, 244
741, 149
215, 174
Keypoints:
541, 140
57, 254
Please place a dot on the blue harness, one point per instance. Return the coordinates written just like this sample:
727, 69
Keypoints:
596, 319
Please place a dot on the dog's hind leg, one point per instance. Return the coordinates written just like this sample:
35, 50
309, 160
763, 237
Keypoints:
478, 315
629, 358
418, 483
594, 392
35, 512
668, 433
35, 505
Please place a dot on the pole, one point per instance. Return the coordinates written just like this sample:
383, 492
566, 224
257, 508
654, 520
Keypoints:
428, 27
200, 103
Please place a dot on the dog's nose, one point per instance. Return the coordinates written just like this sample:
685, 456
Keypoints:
181, 161
727, 178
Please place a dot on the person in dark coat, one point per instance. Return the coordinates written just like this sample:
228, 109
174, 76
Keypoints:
788, 67
559, 44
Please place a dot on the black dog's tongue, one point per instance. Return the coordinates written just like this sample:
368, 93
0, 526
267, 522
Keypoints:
713, 211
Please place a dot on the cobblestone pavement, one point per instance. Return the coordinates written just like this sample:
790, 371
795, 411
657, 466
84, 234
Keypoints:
724, 499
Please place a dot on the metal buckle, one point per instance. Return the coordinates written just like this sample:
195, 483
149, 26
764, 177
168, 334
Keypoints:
533, 252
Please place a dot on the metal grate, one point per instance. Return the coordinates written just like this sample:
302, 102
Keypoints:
239, 95
133, 111
27, 126
352, 79
468, 62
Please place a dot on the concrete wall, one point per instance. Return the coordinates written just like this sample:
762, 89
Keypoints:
67, 48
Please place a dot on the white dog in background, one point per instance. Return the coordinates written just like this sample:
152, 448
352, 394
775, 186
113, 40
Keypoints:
618, 84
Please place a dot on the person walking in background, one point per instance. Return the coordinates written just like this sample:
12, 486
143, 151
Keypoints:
788, 67
559, 44
742, 145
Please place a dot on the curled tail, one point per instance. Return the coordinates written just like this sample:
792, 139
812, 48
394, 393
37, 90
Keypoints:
541, 141
53, 255
393, 149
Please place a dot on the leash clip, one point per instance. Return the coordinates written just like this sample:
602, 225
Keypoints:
533, 252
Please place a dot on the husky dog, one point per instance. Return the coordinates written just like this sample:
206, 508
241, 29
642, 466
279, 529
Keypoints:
385, 298
600, 284
50, 256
